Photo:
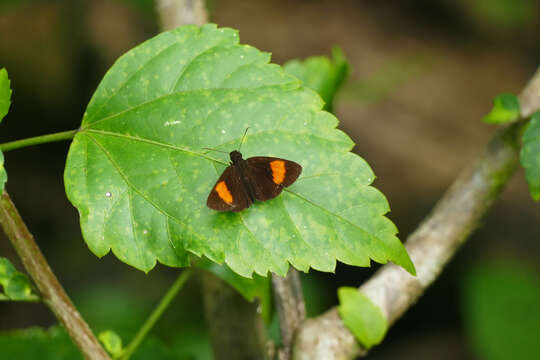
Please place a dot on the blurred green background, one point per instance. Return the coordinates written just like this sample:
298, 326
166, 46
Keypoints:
423, 74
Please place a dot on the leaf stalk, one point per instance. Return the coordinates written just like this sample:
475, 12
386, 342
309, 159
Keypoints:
37, 140
156, 314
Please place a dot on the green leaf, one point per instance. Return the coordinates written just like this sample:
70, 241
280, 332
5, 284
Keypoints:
5, 93
256, 287
361, 316
502, 316
139, 176
321, 74
16, 285
530, 155
111, 341
7, 271
19, 288
36, 343
3, 173
505, 109
5, 102
55, 344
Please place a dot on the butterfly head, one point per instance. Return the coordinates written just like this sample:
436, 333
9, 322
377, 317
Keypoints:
236, 156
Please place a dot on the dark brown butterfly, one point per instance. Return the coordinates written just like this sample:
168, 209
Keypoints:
257, 178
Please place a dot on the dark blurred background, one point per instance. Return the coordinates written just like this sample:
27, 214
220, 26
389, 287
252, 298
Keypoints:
423, 74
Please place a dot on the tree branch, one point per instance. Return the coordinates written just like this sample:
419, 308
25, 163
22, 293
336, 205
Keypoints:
290, 307
236, 327
433, 243
50, 289
174, 13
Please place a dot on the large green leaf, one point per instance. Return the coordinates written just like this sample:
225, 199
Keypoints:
502, 316
55, 344
36, 343
139, 176
530, 155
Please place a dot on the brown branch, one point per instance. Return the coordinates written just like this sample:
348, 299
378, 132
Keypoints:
290, 308
50, 289
236, 327
174, 13
431, 246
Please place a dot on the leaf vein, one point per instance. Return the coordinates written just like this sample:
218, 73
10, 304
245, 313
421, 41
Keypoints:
133, 230
336, 215
128, 183
130, 77
153, 142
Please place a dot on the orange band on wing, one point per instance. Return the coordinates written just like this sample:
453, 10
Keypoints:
278, 171
223, 192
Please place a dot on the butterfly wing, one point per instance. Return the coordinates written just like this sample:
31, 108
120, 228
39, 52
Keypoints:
228, 194
268, 175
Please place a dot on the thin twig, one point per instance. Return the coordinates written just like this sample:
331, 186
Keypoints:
50, 289
156, 314
431, 246
290, 308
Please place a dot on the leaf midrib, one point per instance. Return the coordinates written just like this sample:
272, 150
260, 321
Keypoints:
204, 156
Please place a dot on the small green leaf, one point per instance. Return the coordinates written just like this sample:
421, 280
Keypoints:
5, 93
361, 316
5, 102
530, 155
321, 74
502, 316
7, 271
16, 285
139, 176
3, 173
111, 341
19, 288
256, 287
505, 109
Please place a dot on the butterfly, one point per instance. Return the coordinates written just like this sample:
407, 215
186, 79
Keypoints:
256, 178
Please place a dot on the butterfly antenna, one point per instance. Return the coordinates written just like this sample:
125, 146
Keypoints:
243, 136
205, 148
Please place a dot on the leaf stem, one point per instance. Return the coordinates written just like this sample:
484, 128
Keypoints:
42, 139
156, 314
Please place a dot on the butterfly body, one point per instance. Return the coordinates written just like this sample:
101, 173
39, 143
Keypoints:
257, 178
